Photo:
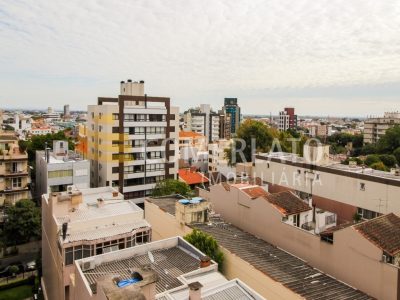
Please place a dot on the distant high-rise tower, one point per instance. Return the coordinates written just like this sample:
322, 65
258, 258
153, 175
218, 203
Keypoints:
66, 111
232, 108
287, 119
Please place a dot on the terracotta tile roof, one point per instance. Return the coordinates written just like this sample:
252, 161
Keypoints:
189, 134
287, 203
255, 191
383, 231
191, 177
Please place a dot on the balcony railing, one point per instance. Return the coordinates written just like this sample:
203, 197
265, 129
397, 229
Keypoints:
16, 172
309, 226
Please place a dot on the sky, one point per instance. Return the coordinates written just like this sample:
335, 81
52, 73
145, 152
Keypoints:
324, 57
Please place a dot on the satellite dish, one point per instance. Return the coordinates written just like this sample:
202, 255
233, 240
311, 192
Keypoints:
151, 257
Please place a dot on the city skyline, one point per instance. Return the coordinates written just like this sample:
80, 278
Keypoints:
316, 57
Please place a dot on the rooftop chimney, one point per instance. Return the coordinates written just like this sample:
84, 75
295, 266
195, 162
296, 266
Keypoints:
205, 261
115, 194
195, 290
100, 202
64, 230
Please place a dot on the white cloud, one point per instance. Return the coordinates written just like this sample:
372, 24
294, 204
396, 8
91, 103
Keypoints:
56, 52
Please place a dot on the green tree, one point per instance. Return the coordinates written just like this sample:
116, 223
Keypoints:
372, 159
396, 154
13, 270
170, 187
265, 139
206, 244
388, 159
379, 166
390, 141
22, 223
369, 149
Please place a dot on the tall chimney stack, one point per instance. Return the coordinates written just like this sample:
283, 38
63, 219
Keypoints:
195, 290
64, 230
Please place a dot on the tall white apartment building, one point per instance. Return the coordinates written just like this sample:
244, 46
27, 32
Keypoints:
59, 168
204, 121
132, 141
375, 128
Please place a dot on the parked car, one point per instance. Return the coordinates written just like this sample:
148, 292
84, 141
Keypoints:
30, 266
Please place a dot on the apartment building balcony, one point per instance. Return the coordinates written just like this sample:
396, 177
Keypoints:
309, 226
14, 184
11, 190
15, 173
13, 155
140, 187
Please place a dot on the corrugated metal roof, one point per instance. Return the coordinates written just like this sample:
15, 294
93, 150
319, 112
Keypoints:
289, 270
169, 264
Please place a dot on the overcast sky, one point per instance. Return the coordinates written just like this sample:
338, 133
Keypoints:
324, 57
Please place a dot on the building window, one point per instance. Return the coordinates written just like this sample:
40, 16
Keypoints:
367, 214
362, 186
17, 182
69, 256
60, 173
115, 129
115, 170
154, 167
133, 169
115, 116
154, 154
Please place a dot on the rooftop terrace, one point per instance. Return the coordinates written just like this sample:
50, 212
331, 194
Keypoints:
169, 258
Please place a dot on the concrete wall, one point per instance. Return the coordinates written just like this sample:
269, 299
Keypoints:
51, 257
378, 197
351, 258
163, 224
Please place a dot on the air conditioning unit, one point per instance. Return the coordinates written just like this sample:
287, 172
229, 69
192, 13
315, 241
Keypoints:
70, 188
88, 265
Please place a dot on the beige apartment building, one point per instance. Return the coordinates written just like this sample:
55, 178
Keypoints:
364, 255
14, 172
375, 128
345, 190
132, 141
273, 273
82, 223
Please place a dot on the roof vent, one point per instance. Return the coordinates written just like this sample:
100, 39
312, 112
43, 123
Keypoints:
100, 202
